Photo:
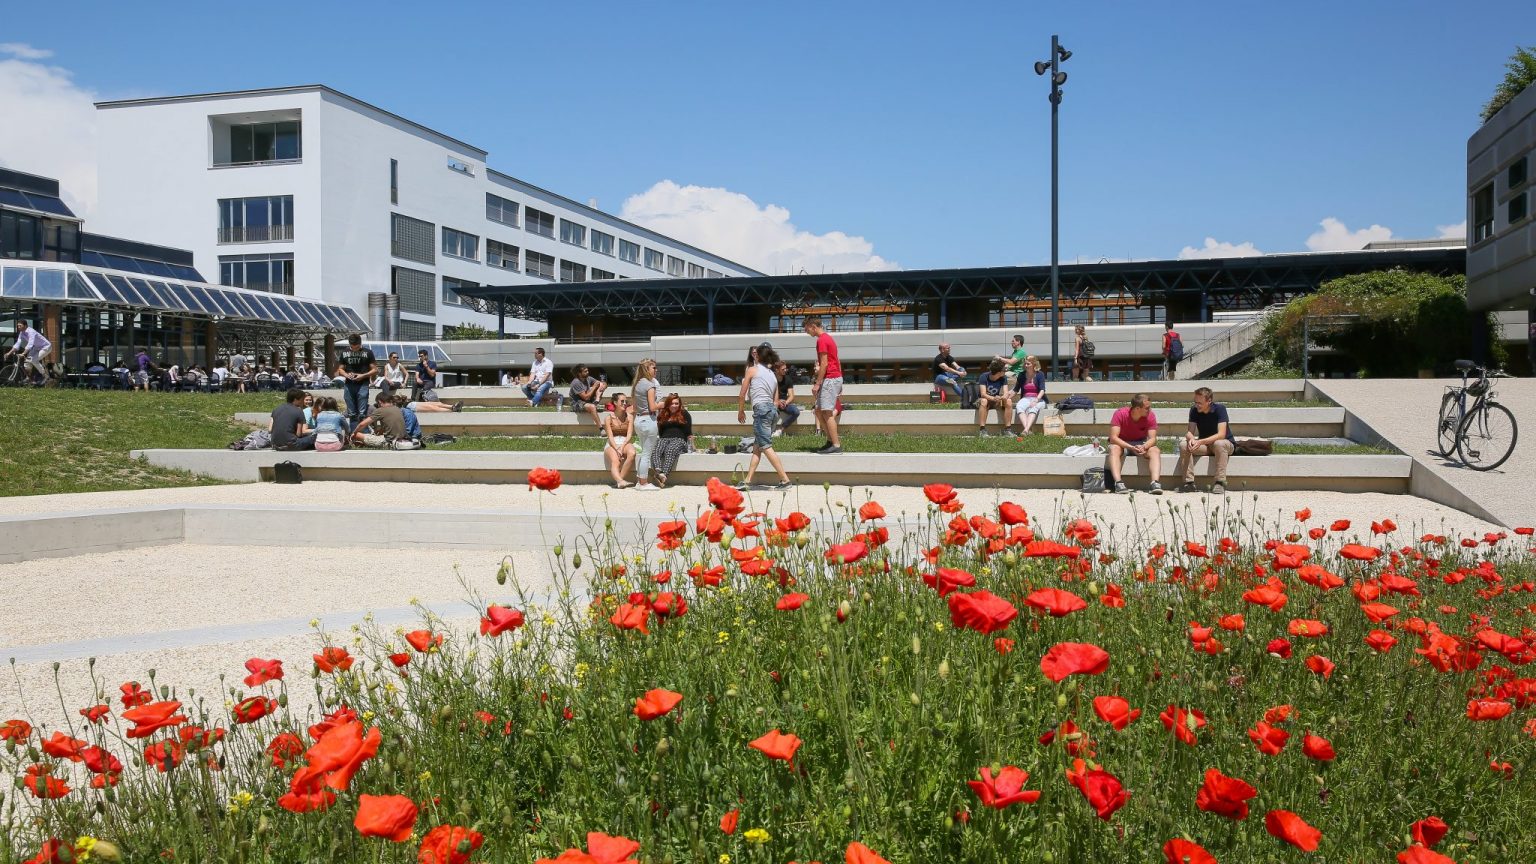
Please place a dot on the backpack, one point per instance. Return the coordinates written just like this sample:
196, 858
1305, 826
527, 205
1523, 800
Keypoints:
1093, 480
1087, 350
1253, 447
970, 393
1176, 348
1075, 402
257, 439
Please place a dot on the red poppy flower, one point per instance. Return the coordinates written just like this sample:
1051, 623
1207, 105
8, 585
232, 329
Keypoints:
283, 747
1291, 828
1380, 641
711, 577
164, 755
1113, 597
392, 817
858, 853
632, 616
1267, 596
939, 493
776, 745
148, 719
547, 479
1307, 627
1012, 514
1356, 552
1279, 714
1312, 574
847, 553
307, 792
15, 730
981, 611
795, 521
655, 703
1181, 851
1317, 533
1224, 796
1004, 790
1422, 855
61, 746
1050, 549
1270, 739
253, 709
1101, 789
499, 620
1280, 648
262, 671
1184, 723
332, 658
1488, 709
442, 845
1073, 658
947, 579
1385, 526
729, 820
198, 738
1339, 525
424, 640
1055, 601
870, 511
1317, 747
669, 604
1429, 831
133, 694
99, 761
791, 602
342, 751
1115, 711
1320, 665
39, 780
1303, 515
1231, 622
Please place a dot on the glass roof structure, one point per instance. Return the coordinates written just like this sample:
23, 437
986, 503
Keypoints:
50, 282
407, 351
37, 202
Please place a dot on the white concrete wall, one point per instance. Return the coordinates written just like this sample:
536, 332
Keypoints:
1501, 270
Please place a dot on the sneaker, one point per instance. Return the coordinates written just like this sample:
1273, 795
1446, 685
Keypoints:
777, 432
823, 448
982, 433
459, 405
1218, 488
741, 486
830, 451
645, 487
1120, 488
1189, 487
787, 484
1156, 488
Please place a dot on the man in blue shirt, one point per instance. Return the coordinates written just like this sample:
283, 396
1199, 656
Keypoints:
994, 394
1210, 434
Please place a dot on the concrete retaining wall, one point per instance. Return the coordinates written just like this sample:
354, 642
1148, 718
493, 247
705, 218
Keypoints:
24, 538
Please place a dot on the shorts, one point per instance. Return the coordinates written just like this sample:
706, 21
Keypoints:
371, 440
1031, 404
619, 440
142, 378
826, 397
331, 446
428, 394
764, 418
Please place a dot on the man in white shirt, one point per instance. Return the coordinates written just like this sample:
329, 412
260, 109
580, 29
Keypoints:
33, 346
541, 376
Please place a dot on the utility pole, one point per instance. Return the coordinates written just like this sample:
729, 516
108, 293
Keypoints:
1058, 56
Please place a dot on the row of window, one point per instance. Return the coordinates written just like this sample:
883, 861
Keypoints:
503, 211
272, 273
265, 219
1516, 206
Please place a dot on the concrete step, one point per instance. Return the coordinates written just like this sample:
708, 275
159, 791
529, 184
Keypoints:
1261, 422
1351, 473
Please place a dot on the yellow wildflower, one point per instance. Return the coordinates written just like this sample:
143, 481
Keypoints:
756, 835
237, 802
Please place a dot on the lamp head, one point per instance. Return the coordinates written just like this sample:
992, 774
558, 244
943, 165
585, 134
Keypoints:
1059, 78
1041, 66
1063, 53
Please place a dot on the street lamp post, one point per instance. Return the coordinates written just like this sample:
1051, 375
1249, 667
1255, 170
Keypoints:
1059, 55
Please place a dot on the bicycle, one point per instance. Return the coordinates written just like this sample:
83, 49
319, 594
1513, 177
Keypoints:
15, 373
1483, 435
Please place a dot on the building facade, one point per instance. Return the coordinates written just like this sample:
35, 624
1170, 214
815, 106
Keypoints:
1501, 209
309, 192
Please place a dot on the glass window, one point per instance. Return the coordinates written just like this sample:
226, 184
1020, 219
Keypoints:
713, 274
539, 264
458, 244
1517, 208
600, 274
394, 181
540, 223
20, 235
570, 271
572, 233
461, 166
451, 288
412, 240
256, 220
499, 254
416, 289
1517, 175
675, 266
499, 209
270, 273
265, 142
602, 243
629, 252
695, 271
654, 260
1482, 214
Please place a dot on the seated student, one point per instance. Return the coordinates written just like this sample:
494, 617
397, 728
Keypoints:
384, 426
541, 376
587, 393
432, 407
288, 430
408, 408
947, 371
507, 379
332, 431
1133, 432
789, 412
1210, 434
674, 428
1029, 394
994, 394
619, 449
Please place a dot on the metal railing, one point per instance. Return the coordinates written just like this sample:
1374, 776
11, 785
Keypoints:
1213, 354
256, 234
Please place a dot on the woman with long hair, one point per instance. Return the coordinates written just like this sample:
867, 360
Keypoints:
646, 405
1030, 387
674, 427
761, 388
619, 450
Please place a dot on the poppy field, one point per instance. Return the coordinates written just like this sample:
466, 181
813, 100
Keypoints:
969, 683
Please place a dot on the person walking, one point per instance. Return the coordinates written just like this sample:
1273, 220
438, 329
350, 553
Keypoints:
1210, 434
761, 387
646, 405
1173, 350
828, 384
1082, 355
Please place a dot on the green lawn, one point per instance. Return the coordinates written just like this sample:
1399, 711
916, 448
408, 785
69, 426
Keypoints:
78, 440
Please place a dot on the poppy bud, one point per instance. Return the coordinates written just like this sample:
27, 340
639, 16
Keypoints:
558, 550
914, 699
1010, 558
576, 561
917, 646
801, 540
575, 762
1061, 700
843, 609
504, 570
944, 668
663, 747
1093, 588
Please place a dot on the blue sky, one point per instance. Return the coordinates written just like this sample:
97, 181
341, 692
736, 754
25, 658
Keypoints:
921, 129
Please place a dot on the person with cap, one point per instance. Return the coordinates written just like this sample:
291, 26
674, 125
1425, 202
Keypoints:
356, 369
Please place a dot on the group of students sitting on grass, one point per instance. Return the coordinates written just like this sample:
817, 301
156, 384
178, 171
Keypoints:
308, 422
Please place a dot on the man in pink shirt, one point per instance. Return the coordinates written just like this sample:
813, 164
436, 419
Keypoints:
828, 385
1133, 432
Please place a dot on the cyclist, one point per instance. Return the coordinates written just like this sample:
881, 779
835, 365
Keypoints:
34, 346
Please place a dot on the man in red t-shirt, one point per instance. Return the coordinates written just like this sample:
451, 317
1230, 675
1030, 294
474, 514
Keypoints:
1170, 362
1133, 432
828, 385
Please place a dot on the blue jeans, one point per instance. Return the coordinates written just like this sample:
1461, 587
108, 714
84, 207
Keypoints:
412, 425
764, 417
947, 380
536, 394
356, 395
790, 413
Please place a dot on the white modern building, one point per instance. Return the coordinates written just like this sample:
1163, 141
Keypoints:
309, 192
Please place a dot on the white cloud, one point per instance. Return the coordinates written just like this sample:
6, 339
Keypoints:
734, 226
1453, 232
1336, 236
1214, 248
51, 125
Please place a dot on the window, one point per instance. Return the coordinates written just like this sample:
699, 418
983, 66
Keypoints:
540, 223
498, 209
461, 166
256, 220
499, 254
457, 244
598, 275
252, 143
570, 271
695, 271
629, 252
424, 330
654, 259
412, 240
1517, 173
572, 233
394, 181
602, 243
451, 288
272, 273
1482, 214
20, 235
675, 266
713, 274
539, 264
416, 290
1517, 208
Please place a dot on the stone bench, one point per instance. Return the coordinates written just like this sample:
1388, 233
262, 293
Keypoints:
1352, 473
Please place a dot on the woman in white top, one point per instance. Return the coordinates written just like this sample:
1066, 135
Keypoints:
392, 376
761, 387
619, 451
647, 403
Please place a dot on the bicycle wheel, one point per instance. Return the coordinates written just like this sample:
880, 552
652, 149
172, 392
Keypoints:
1486, 437
1445, 430
10, 376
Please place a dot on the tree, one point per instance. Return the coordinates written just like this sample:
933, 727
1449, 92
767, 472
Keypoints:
468, 331
1521, 72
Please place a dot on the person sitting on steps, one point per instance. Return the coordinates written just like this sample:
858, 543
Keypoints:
1133, 432
994, 395
1210, 434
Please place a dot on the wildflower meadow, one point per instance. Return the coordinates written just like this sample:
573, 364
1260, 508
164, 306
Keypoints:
969, 683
